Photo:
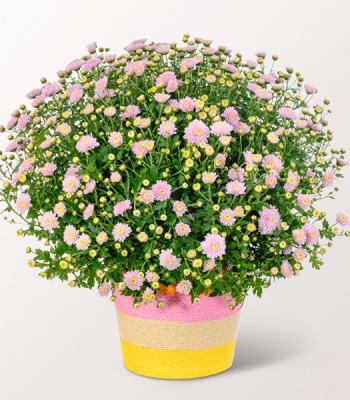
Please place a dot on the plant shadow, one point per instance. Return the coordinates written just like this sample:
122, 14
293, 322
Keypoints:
260, 348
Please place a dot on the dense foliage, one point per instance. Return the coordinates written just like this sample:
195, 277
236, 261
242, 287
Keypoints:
172, 165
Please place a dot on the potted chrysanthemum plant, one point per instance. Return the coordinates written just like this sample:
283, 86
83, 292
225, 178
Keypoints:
175, 178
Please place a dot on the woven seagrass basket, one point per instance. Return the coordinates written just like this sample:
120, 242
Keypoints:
181, 340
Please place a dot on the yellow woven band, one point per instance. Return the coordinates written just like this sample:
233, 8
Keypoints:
177, 364
175, 335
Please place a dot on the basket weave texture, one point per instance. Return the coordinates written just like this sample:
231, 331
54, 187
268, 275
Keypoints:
181, 340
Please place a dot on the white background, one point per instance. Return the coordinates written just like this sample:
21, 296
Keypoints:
62, 343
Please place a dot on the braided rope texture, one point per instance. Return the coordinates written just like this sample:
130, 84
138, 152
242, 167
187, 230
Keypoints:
181, 340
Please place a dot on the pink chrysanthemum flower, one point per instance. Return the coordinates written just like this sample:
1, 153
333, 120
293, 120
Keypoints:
269, 220
310, 173
15, 177
130, 111
213, 245
74, 65
235, 187
241, 127
299, 236
144, 123
37, 101
287, 113
83, 242
152, 276
271, 78
115, 177
342, 219
187, 104
60, 209
225, 140
248, 158
101, 238
138, 68
142, 147
88, 109
190, 62
341, 162
165, 77
70, 184
51, 120
33, 93
101, 85
49, 221
263, 94
91, 64
231, 115
209, 265
48, 169
221, 128
271, 181
11, 123
292, 182
312, 234
121, 232
227, 217
161, 97
328, 178
104, 289
230, 68
304, 201
168, 260
236, 175
210, 78
301, 123
286, 269
288, 249
179, 207
88, 212
209, 177
46, 143
142, 237
70, 235
76, 96
121, 207
310, 89
220, 160
182, 229
184, 287
299, 255
147, 196
89, 187
71, 171
26, 166
273, 162
22, 122
23, 203
109, 111
132, 280
148, 296
167, 128
86, 143
161, 190
196, 132
272, 137
51, 89
173, 103
172, 86
74, 88
11, 146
